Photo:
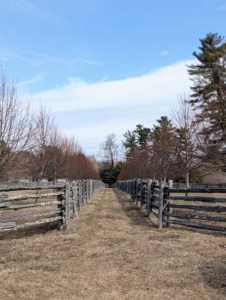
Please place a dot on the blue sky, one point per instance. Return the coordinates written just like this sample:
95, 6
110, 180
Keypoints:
104, 66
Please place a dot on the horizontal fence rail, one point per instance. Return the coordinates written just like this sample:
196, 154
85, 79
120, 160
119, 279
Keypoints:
178, 205
44, 204
179, 185
27, 184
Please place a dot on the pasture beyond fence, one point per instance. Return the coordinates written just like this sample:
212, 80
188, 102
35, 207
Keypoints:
63, 200
176, 205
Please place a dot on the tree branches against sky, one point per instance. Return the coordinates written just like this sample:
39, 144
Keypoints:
81, 55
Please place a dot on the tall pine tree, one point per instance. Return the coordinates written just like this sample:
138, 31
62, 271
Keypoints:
209, 85
209, 97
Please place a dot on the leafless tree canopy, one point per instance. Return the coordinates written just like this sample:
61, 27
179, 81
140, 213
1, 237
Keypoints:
188, 139
32, 146
109, 150
16, 126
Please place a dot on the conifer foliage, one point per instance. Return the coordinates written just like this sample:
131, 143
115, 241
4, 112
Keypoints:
209, 84
209, 97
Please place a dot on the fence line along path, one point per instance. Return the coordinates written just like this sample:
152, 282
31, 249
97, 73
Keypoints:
193, 207
62, 202
113, 252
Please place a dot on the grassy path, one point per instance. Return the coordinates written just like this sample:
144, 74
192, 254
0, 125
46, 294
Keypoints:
114, 252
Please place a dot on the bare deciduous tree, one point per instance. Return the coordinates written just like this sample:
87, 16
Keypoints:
42, 151
16, 128
109, 150
188, 138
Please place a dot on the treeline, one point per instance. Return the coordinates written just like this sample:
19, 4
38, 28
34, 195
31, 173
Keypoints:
162, 152
192, 141
32, 147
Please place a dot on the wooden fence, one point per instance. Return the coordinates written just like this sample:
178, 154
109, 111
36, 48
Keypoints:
63, 202
178, 206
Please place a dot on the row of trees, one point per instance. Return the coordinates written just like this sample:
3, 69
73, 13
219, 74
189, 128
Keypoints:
31, 145
193, 140
171, 149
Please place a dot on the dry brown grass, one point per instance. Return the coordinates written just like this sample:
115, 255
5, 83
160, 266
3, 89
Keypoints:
113, 252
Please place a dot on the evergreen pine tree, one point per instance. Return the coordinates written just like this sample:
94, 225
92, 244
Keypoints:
209, 85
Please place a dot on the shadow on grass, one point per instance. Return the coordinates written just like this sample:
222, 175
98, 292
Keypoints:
214, 275
138, 217
31, 231
133, 211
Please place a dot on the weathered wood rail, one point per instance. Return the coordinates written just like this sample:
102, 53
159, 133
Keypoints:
63, 203
180, 208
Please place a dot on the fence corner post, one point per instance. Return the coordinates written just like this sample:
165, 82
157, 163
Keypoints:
160, 206
74, 197
67, 206
149, 197
60, 208
169, 209
141, 194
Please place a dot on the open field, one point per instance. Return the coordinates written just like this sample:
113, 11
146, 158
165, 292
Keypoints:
113, 252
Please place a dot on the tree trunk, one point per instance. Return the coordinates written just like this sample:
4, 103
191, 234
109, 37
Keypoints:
187, 179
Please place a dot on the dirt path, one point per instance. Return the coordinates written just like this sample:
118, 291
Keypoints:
113, 252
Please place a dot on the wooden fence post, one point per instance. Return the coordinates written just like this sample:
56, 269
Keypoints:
149, 197
141, 194
80, 194
160, 206
126, 188
91, 188
131, 189
134, 189
60, 199
83, 193
89, 183
67, 206
167, 201
74, 197
170, 209
86, 191
137, 190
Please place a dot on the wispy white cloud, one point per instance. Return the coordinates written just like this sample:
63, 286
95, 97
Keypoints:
34, 58
46, 57
157, 87
94, 130
31, 81
90, 62
164, 53
34, 10
114, 106
8, 56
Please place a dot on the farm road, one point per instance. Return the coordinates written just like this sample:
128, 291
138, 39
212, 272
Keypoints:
113, 251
